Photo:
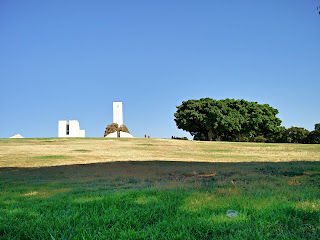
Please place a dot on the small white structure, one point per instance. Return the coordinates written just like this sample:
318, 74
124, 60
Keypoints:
122, 135
17, 136
70, 129
117, 113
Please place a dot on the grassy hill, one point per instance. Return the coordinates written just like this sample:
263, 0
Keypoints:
157, 189
58, 151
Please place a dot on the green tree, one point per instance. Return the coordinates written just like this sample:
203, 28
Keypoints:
199, 117
227, 119
256, 119
314, 137
297, 135
279, 136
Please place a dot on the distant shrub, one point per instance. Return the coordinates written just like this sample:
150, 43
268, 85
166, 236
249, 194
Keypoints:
123, 128
219, 138
114, 127
179, 138
111, 128
245, 139
288, 140
260, 139
200, 137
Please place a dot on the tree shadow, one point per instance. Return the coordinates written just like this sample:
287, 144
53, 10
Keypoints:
159, 170
162, 200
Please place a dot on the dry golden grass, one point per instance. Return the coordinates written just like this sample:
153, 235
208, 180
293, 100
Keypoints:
60, 151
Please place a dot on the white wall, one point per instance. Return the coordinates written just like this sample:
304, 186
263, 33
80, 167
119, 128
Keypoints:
82, 133
62, 128
74, 129
117, 113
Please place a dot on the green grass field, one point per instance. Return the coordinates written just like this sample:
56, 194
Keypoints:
94, 189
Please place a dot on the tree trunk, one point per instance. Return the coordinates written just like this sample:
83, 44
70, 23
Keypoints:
210, 135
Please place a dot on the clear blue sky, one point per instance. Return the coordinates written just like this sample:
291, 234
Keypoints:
71, 59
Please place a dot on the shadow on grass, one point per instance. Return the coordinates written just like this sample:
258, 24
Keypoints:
161, 200
140, 170
226, 179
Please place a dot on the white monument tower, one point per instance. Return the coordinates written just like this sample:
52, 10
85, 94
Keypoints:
117, 113
118, 118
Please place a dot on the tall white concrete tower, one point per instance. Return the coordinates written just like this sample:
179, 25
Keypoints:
117, 113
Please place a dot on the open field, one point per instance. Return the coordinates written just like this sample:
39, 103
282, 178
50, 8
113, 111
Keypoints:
157, 189
57, 151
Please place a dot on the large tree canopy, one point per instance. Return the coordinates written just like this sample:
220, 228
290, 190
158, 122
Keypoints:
226, 119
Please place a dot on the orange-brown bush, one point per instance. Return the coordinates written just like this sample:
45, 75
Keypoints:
114, 127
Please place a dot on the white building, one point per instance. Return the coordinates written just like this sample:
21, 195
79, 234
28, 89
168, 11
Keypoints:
117, 113
17, 136
118, 118
70, 129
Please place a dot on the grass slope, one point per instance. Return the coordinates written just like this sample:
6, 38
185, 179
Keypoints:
157, 199
57, 151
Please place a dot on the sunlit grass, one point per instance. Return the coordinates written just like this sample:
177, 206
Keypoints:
68, 151
51, 157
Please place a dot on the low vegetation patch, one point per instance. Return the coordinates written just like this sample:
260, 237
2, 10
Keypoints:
51, 157
219, 150
82, 150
